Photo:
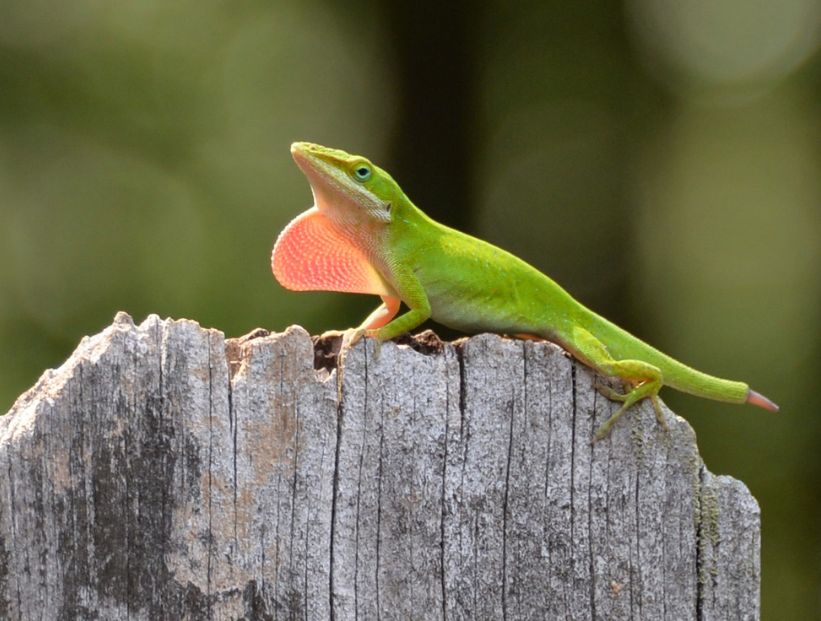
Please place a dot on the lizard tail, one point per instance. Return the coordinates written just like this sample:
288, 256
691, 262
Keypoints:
761, 401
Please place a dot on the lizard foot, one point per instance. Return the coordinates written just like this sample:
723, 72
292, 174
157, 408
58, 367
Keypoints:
352, 336
648, 389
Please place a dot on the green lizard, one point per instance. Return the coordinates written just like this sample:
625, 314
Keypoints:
363, 235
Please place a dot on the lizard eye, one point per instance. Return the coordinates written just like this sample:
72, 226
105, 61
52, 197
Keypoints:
362, 173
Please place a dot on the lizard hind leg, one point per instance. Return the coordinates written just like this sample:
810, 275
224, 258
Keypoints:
646, 379
646, 390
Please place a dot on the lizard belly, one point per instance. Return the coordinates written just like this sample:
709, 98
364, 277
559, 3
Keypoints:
472, 286
475, 313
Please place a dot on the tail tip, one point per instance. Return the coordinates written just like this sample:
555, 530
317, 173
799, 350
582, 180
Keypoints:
761, 401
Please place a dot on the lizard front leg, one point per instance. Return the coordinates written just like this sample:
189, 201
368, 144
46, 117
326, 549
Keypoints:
382, 315
381, 325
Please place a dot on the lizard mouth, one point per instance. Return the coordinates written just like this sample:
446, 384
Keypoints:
335, 194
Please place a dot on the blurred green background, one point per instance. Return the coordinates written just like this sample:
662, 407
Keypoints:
660, 159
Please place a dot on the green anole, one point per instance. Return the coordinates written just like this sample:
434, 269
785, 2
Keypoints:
364, 235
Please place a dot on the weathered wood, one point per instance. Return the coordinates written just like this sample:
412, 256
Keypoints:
165, 473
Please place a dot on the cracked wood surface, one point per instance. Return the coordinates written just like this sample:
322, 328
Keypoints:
165, 473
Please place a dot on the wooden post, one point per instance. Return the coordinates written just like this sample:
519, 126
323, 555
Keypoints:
165, 473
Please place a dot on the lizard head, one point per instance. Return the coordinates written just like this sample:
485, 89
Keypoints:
348, 189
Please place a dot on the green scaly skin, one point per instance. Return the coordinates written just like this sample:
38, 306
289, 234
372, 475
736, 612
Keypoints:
472, 286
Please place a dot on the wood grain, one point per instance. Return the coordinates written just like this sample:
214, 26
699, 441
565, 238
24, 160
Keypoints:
164, 472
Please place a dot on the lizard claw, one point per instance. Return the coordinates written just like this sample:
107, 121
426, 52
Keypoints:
333, 334
608, 391
352, 336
